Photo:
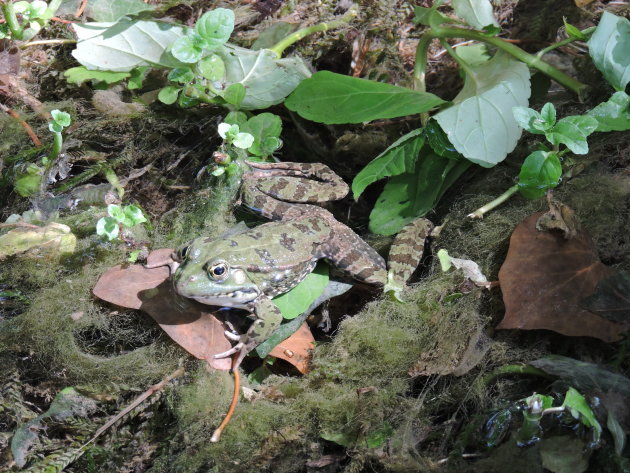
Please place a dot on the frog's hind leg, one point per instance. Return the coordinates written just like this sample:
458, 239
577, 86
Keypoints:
296, 182
406, 251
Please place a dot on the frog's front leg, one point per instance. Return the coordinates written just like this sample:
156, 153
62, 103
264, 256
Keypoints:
268, 318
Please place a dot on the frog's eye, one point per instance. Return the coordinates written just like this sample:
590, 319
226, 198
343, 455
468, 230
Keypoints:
218, 271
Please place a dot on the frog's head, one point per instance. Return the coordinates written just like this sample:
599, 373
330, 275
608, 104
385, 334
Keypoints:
206, 275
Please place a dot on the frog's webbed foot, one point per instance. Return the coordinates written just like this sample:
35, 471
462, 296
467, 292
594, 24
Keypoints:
235, 337
242, 348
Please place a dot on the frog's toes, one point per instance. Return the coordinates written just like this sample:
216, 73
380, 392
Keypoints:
236, 348
232, 336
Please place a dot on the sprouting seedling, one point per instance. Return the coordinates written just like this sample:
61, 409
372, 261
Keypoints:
125, 217
25, 19
60, 120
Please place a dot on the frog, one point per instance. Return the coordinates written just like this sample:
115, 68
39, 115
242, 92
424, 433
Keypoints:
248, 269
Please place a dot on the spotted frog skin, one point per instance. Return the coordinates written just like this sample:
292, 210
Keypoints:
248, 269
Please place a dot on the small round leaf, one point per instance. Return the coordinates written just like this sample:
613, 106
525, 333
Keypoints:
215, 27
168, 95
185, 50
212, 67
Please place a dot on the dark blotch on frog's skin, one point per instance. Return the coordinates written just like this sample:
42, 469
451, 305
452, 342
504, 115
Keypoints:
265, 256
287, 241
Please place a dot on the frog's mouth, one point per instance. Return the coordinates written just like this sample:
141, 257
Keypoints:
239, 298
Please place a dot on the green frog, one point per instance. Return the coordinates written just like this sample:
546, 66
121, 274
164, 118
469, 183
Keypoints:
248, 269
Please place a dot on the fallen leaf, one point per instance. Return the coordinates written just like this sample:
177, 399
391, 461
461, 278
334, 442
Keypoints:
297, 348
188, 323
52, 240
612, 298
543, 279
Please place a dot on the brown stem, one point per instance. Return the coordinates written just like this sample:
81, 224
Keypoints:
237, 387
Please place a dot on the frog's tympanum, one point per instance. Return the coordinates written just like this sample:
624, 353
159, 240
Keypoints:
248, 269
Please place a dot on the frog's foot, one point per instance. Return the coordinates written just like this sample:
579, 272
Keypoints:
242, 348
235, 337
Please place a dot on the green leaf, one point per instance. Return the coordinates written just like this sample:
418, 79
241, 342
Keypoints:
212, 67
412, 195
243, 140
438, 141
540, 171
580, 409
182, 75
474, 54
530, 120
116, 212
5, 32
262, 127
186, 50
55, 127
572, 132
80, 74
168, 94
215, 27
28, 183
430, 16
267, 79
280, 334
300, 298
398, 158
548, 114
137, 77
236, 118
477, 13
107, 227
61, 118
613, 115
609, 47
334, 98
573, 32
113, 10
480, 124
133, 215
126, 44
235, 94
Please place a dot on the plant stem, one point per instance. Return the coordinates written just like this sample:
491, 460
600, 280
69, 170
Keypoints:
420, 68
11, 19
481, 211
48, 41
563, 42
283, 44
532, 61
56, 149
463, 64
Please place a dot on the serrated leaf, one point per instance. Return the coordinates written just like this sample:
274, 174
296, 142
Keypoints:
548, 114
267, 79
137, 77
334, 98
412, 195
235, 118
477, 13
186, 49
398, 158
113, 10
181, 75
480, 124
61, 118
298, 299
215, 27
572, 132
133, 215
613, 115
212, 67
531, 120
262, 127
243, 140
540, 171
474, 54
609, 47
78, 75
126, 44
168, 95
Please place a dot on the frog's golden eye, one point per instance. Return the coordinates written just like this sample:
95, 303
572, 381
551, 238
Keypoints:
218, 271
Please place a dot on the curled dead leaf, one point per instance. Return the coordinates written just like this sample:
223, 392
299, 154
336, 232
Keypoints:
297, 348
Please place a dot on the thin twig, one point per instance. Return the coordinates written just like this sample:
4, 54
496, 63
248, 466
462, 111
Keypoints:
34, 138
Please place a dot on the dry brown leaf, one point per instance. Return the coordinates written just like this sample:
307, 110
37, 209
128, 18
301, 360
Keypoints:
189, 324
544, 278
297, 348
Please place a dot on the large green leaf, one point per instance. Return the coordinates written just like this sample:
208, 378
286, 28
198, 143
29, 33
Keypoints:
480, 124
412, 195
78, 75
572, 132
113, 10
126, 44
609, 47
268, 80
477, 13
400, 157
334, 98
300, 298
613, 115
